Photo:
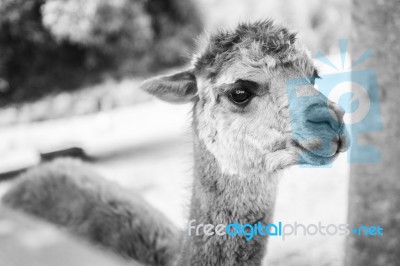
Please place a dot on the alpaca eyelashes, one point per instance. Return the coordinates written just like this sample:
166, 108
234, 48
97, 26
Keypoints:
314, 77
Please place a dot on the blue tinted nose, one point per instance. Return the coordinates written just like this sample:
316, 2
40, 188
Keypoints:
324, 114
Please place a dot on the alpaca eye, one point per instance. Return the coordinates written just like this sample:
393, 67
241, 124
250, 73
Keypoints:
240, 96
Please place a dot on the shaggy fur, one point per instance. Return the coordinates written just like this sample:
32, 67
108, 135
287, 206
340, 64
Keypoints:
257, 41
238, 153
67, 193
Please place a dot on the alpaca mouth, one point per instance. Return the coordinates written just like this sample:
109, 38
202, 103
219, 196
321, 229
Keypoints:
313, 152
314, 147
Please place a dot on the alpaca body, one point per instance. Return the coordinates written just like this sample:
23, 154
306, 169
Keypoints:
69, 194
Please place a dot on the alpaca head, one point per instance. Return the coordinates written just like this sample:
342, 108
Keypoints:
242, 112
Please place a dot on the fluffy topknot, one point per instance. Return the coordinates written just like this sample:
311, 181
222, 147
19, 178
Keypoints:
257, 39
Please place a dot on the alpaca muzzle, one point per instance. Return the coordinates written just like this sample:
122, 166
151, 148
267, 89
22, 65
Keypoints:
318, 126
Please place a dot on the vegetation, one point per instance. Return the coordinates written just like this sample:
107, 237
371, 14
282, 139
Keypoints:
56, 45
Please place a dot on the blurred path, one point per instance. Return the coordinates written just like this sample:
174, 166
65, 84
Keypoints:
27, 241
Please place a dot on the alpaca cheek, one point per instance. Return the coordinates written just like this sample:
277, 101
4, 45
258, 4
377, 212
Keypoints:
235, 153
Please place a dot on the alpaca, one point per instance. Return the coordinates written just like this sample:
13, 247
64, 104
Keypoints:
68, 193
243, 136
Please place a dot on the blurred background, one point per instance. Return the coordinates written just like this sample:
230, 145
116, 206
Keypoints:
69, 75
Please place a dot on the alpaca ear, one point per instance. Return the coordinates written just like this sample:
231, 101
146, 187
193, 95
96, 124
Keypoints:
177, 88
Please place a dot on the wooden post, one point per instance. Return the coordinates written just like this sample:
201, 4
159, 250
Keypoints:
375, 188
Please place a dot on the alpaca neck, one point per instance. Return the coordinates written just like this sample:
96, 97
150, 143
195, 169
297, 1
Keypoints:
224, 199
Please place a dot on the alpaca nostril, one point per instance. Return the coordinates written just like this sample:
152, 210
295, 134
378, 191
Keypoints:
327, 122
331, 117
